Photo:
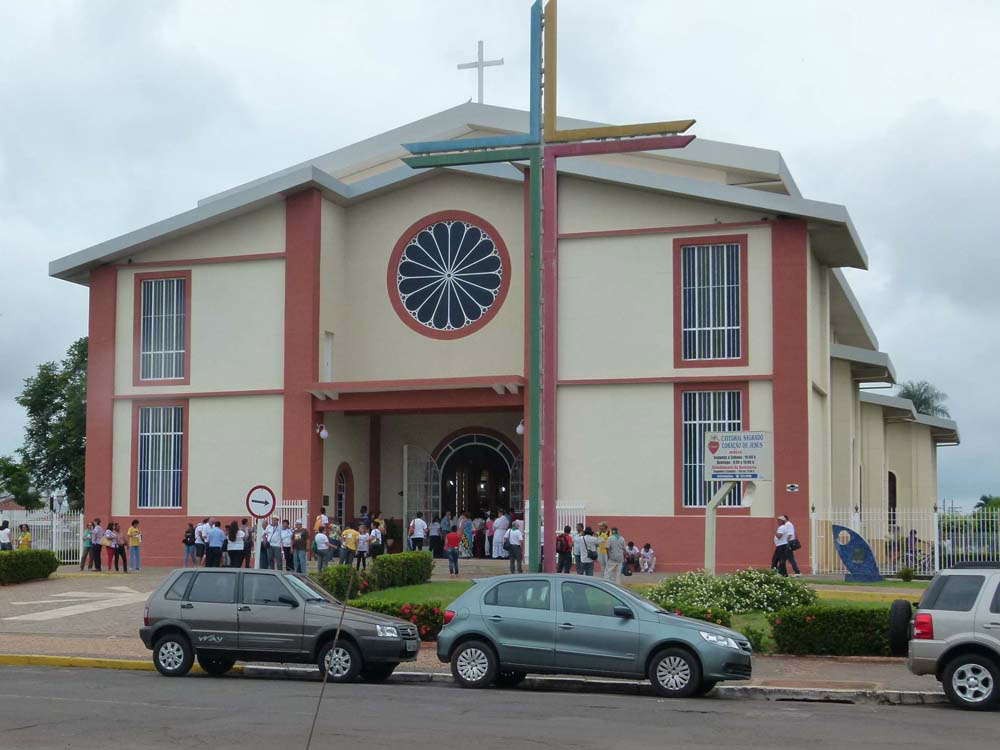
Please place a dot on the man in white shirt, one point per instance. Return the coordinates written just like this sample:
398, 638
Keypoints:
500, 527
322, 542
418, 531
515, 537
778, 559
286, 544
791, 545
201, 539
272, 537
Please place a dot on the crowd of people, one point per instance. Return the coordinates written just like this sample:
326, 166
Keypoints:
499, 535
117, 547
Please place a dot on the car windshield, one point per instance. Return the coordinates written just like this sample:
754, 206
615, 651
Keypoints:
636, 599
309, 590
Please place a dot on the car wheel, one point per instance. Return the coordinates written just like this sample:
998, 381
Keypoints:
970, 682
173, 655
900, 614
377, 672
216, 665
474, 665
507, 679
675, 673
342, 664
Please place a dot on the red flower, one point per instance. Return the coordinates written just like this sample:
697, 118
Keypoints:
777, 622
423, 630
437, 610
406, 609
413, 619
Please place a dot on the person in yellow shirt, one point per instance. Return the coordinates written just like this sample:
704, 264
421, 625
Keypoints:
602, 547
134, 545
24, 537
349, 538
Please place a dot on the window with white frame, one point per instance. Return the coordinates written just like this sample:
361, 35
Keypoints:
161, 457
706, 411
710, 301
163, 329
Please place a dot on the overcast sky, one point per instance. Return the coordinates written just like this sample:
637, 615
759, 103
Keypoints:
114, 115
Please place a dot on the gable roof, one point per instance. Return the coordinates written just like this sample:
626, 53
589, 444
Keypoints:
833, 236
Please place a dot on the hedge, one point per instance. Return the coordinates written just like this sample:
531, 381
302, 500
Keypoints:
385, 572
428, 617
831, 630
26, 565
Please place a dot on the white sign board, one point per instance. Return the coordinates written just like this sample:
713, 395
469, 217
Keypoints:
261, 501
738, 456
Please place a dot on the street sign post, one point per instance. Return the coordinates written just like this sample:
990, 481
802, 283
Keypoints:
261, 503
732, 457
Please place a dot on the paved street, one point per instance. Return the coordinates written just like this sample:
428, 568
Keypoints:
44, 707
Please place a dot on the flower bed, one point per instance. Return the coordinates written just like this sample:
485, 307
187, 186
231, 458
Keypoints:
386, 571
21, 565
428, 617
749, 590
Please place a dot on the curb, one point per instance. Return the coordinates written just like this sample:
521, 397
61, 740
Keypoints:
537, 683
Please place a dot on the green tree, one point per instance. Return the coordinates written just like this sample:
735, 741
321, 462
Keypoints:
55, 436
15, 481
988, 501
925, 397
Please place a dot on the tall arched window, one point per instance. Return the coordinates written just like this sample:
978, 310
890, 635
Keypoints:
343, 495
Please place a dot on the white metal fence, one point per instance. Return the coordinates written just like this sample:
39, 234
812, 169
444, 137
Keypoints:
924, 541
292, 511
60, 532
567, 514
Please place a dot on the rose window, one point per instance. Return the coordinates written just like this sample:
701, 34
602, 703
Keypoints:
451, 273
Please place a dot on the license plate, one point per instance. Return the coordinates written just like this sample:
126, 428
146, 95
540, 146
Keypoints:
412, 645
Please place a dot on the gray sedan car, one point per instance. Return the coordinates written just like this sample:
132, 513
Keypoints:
221, 615
505, 627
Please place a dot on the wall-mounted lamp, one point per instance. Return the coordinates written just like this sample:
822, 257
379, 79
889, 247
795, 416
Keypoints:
322, 432
520, 428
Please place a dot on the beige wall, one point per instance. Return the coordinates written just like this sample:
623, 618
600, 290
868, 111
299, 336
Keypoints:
237, 328
912, 456
872, 453
262, 231
616, 447
426, 431
585, 205
234, 443
616, 307
843, 436
334, 305
348, 442
373, 227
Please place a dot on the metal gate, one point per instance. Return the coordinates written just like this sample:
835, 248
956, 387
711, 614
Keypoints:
292, 511
62, 533
421, 486
567, 514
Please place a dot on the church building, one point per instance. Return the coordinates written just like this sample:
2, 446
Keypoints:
352, 332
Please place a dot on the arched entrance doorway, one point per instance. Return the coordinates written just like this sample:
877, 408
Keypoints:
480, 470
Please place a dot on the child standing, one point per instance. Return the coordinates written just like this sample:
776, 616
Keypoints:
134, 545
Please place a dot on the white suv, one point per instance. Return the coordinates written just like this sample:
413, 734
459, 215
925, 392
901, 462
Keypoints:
954, 634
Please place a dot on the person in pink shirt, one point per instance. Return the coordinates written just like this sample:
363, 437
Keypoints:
489, 534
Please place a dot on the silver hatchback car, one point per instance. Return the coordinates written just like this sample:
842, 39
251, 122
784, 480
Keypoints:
505, 627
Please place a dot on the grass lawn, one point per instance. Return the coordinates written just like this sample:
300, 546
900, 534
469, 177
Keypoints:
918, 585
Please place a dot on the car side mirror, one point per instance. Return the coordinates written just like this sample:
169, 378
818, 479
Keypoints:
624, 612
285, 599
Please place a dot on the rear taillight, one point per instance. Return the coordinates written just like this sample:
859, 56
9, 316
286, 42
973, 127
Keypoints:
449, 615
923, 627
145, 617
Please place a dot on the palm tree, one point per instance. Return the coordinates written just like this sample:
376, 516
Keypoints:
988, 501
925, 397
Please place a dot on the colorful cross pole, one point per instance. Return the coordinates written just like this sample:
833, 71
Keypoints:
540, 147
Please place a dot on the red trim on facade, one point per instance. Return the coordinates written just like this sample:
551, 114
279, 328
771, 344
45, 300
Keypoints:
662, 230
681, 388
744, 359
375, 386
199, 394
134, 508
302, 463
550, 341
450, 437
397, 252
345, 468
401, 402
100, 389
374, 464
138, 382
199, 261
668, 379
789, 282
